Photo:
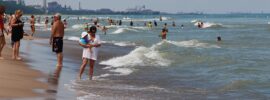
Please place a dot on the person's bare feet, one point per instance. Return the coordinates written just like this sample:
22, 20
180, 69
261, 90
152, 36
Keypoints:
79, 77
18, 58
2, 58
90, 78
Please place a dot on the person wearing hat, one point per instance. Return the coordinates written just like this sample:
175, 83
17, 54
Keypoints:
90, 50
17, 33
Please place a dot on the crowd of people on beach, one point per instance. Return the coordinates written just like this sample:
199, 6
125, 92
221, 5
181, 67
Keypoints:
15, 31
89, 40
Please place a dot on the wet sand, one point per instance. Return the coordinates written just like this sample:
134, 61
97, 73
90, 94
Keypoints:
17, 79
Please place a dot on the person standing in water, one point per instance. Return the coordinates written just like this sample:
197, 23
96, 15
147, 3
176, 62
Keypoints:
17, 34
56, 39
65, 23
120, 22
131, 23
173, 24
90, 51
46, 22
164, 34
38, 20
104, 30
160, 18
182, 26
32, 25
165, 27
155, 23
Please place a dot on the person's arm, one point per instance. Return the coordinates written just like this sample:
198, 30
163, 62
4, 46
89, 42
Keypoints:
52, 34
85, 46
13, 23
98, 44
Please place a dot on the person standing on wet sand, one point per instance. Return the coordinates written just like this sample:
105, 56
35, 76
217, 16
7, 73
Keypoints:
32, 25
90, 51
56, 39
17, 33
2, 28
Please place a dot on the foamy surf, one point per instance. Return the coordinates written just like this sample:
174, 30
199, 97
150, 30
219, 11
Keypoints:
192, 43
209, 25
78, 26
141, 56
122, 30
72, 38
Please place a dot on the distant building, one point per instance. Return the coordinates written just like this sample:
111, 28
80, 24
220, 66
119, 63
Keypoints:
39, 7
56, 7
45, 6
141, 10
18, 2
80, 6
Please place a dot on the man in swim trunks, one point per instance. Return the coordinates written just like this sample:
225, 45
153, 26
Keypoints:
56, 39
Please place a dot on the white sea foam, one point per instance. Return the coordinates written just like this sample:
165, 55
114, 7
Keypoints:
123, 44
192, 43
122, 30
209, 25
77, 26
120, 43
122, 71
118, 31
194, 21
141, 56
72, 38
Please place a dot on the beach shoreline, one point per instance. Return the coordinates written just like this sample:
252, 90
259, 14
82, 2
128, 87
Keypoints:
19, 80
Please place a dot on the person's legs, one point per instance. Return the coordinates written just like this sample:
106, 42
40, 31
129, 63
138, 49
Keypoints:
2, 44
60, 59
33, 30
84, 62
15, 50
18, 51
91, 69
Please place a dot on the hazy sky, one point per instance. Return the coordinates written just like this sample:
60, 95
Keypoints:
210, 6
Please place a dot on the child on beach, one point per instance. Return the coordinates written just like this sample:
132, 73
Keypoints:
85, 40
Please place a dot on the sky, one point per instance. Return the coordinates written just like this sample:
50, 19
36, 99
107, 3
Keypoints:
172, 6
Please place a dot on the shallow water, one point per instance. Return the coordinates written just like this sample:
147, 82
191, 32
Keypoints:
135, 64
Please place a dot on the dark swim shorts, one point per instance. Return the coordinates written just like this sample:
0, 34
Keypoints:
57, 45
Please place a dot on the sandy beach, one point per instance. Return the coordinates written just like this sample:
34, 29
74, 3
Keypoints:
18, 80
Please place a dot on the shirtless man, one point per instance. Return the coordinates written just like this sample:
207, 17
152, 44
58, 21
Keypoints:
32, 23
56, 39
